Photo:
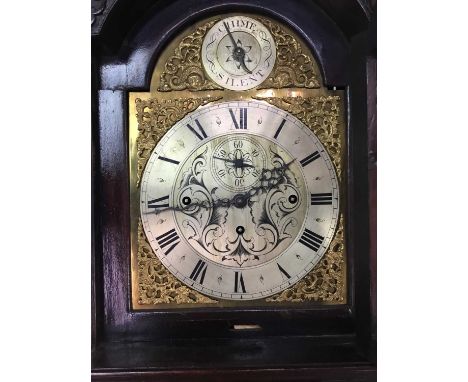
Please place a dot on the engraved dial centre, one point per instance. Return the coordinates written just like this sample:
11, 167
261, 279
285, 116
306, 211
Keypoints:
239, 200
238, 162
245, 194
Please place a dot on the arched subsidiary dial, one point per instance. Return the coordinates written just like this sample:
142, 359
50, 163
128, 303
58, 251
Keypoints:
238, 53
239, 200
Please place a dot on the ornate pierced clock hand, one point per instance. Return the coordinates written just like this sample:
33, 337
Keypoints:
272, 183
242, 62
230, 35
239, 200
238, 52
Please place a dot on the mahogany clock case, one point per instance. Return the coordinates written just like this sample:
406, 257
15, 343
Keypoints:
318, 342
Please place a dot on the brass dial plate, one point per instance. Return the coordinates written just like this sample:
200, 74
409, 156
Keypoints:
233, 207
152, 114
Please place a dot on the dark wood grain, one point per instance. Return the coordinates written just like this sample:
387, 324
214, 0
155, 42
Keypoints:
372, 171
279, 351
314, 342
139, 50
310, 374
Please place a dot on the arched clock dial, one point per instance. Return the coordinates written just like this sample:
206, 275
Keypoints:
239, 200
238, 53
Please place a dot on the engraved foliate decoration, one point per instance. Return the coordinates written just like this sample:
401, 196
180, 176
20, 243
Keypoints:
183, 69
243, 200
321, 115
238, 53
155, 118
294, 66
235, 208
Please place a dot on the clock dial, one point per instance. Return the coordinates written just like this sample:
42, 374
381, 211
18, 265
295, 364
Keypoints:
239, 200
238, 53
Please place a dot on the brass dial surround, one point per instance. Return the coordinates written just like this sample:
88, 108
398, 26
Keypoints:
179, 85
239, 245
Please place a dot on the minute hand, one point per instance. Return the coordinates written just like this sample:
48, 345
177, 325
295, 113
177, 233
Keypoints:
230, 34
234, 161
238, 52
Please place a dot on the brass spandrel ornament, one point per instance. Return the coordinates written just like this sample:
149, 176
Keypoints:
156, 117
289, 65
236, 177
294, 67
322, 115
183, 69
156, 285
326, 282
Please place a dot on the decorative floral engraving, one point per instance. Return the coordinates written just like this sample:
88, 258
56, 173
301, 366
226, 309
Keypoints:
156, 285
210, 221
293, 67
327, 280
155, 118
183, 70
321, 115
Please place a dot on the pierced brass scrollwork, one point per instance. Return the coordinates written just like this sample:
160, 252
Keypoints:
155, 118
295, 66
183, 70
325, 283
156, 285
179, 86
321, 115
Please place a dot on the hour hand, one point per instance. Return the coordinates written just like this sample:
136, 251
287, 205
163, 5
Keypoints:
242, 62
238, 53
224, 159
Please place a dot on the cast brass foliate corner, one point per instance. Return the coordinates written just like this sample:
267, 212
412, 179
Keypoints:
321, 115
156, 285
294, 68
180, 86
326, 282
183, 70
155, 118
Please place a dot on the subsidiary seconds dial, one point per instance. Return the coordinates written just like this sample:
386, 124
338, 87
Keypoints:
238, 53
239, 200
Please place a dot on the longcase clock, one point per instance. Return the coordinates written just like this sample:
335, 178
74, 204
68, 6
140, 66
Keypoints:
227, 215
